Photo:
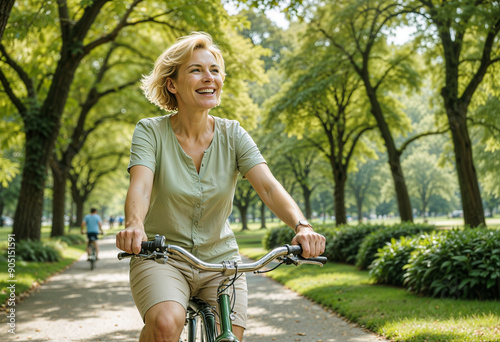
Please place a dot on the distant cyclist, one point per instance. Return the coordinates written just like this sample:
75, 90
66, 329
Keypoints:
94, 226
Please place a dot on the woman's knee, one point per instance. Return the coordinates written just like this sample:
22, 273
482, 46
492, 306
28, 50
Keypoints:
164, 322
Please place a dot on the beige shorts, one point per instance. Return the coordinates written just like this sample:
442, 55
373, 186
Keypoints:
153, 282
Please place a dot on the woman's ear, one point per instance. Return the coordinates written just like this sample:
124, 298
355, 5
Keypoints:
171, 86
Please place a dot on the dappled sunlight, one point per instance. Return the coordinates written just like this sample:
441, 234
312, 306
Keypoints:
468, 328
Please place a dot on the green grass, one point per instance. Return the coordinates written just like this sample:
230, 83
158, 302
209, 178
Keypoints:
389, 311
29, 274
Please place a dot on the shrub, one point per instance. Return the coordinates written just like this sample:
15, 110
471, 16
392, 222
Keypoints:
72, 239
274, 237
464, 265
283, 235
387, 268
376, 240
39, 251
343, 243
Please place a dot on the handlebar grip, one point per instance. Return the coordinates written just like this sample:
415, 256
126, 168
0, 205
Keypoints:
154, 245
320, 259
123, 255
294, 249
297, 250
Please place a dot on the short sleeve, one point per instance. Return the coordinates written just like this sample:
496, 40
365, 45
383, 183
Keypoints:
143, 149
247, 152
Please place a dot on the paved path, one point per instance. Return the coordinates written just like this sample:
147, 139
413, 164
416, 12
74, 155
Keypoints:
84, 305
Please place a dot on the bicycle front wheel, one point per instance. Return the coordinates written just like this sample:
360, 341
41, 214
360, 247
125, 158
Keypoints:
200, 323
93, 256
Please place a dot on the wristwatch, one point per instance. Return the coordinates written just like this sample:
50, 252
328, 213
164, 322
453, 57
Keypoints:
302, 223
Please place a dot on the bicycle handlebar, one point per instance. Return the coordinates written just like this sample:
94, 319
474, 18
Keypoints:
157, 249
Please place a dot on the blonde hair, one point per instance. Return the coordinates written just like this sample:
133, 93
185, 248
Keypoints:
168, 63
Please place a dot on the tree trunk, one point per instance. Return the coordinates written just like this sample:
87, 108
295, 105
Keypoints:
359, 205
41, 129
307, 202
402, 196
58, 201
244, 219
263, 215
472, 204
29, 211
339, 200
79, 211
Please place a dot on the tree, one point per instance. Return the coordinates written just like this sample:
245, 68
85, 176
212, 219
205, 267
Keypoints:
57, 52
356, 29
90, 168
326, 109
297, 159
362, 184
244, 197
426, 179
64, 153
468, 32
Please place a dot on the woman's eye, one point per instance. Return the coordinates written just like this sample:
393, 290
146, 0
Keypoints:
195, 70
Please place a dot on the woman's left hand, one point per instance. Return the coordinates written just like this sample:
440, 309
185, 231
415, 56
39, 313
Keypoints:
313, 244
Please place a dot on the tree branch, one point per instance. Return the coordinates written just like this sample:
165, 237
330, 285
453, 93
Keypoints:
492, 128
418, 136
27, 81
114, 33
10, 93
64, 20
486, 61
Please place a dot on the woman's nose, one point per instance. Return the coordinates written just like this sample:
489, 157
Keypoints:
208, 77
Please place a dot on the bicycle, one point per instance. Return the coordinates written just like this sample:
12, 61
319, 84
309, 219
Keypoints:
201, 312
92, 257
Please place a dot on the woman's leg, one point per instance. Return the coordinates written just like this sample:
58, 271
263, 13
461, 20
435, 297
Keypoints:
164, 322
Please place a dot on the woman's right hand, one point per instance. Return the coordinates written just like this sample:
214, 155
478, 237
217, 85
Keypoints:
130, 239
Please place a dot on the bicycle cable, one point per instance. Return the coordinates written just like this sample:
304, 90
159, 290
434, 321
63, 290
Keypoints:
223, 288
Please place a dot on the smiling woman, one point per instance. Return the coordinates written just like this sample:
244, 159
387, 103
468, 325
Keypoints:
169, 62
183, 172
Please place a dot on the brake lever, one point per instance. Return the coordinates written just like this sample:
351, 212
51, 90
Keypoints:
153, 255
297, 261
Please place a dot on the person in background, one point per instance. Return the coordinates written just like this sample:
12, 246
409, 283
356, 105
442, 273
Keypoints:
93, 223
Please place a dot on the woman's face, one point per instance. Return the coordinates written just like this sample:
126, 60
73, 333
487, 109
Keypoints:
199, 82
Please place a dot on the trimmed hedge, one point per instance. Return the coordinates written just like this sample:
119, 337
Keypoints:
342, 244
387, 268
283, 235
379, 238
466, 264
277, 237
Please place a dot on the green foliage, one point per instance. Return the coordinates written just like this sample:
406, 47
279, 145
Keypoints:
464, 265
387, 268
344, 243
38, 251
72, 239
277, 237
376, 240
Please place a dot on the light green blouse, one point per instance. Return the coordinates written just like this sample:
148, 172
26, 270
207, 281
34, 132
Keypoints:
190, 208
